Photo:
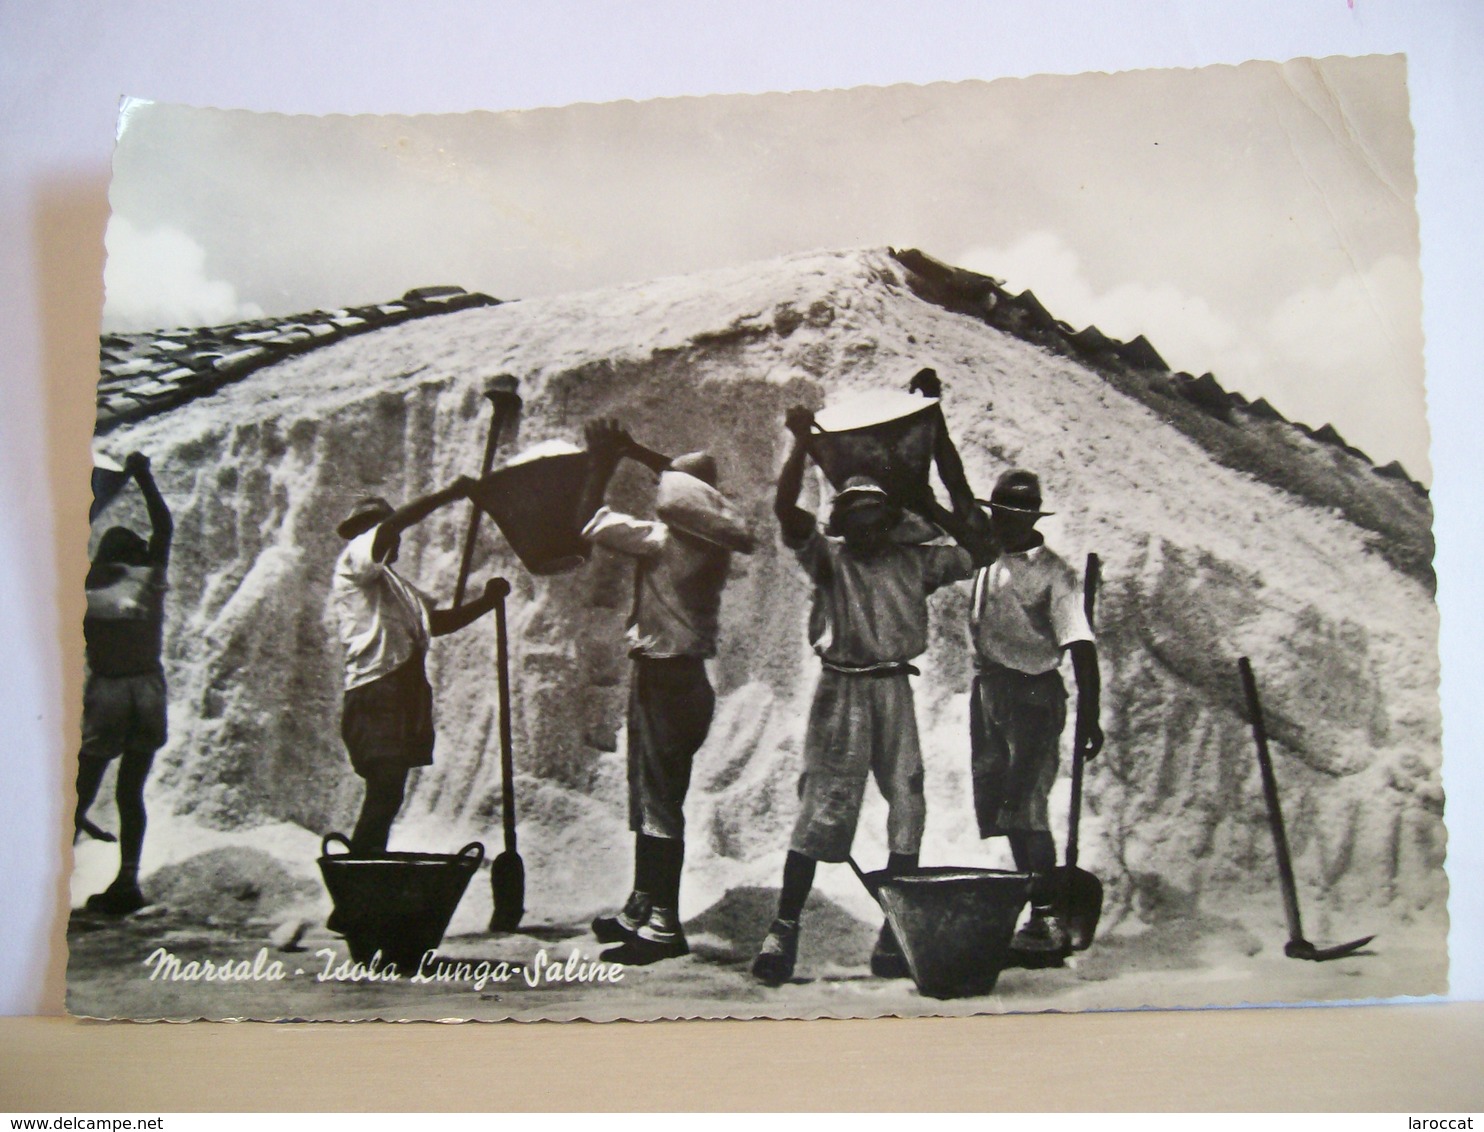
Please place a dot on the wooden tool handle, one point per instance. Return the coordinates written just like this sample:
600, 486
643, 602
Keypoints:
1074, 820
1275, 811
506, 403
507, 758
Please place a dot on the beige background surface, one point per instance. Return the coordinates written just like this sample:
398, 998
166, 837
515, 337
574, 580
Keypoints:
1418, 1058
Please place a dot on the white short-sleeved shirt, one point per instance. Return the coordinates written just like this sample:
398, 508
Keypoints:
678, 585
383, 617
1025, 610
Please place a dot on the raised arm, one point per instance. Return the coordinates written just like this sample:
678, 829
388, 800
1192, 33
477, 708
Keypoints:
796, 522
656, 462
965, 522
161, 525
605, 447
415, 512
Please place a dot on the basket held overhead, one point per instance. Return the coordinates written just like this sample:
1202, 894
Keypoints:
533, 500
887, 435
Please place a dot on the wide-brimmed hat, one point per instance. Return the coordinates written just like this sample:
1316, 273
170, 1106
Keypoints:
702, 465
1017, 491
862, 491
367, 513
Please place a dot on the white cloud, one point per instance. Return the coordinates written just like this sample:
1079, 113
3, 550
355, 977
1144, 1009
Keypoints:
1351, 352
1348, 353
1187, 332
157, 278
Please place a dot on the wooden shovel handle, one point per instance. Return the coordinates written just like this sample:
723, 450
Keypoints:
506, 403
507, 755
1090, 581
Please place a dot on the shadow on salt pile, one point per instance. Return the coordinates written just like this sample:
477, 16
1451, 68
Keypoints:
732, 930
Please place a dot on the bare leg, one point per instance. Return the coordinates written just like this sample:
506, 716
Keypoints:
134, 770
123, 895
90, 773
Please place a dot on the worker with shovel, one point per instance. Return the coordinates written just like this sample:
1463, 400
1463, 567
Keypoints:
385, 624
867, 622
1025, 612
123, 713
682, 558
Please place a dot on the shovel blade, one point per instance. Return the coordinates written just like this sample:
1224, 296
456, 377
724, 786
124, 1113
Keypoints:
1082, 905
508, 886
1303, 949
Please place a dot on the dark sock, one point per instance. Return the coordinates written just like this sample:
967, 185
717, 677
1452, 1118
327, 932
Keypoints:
648, 864
1019, 851
385, 788
899, 864
798, 879
669, 863
1035, 853
641, 865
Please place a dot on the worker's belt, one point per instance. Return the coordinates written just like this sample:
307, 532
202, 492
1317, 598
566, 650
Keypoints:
1043, 689
889, 669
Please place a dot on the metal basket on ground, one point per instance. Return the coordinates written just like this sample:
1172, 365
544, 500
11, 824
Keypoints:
954, 925
399, 903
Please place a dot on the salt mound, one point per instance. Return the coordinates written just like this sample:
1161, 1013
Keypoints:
1203, 562
232, 884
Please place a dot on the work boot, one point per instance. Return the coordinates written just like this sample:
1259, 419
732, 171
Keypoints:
775, 961
118, 899
625, 925
659, 937
1042, 934
887, 960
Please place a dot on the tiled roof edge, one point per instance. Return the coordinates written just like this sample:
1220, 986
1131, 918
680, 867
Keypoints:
143, 374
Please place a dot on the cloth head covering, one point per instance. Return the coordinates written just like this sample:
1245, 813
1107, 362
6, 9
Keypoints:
367, 513
702, 465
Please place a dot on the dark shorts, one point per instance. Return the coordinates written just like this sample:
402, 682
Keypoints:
1015, 726
670, 708
123, 713
389, 722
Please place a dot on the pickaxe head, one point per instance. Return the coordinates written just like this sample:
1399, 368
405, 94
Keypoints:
1303, 949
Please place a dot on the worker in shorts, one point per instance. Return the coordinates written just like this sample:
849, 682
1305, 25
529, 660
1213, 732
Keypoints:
867, 622
681, 562
385, 625
123, 714
1026, 610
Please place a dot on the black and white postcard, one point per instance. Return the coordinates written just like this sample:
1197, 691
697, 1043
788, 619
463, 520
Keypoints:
894, 551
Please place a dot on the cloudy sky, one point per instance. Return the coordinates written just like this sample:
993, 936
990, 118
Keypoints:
1254, 221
